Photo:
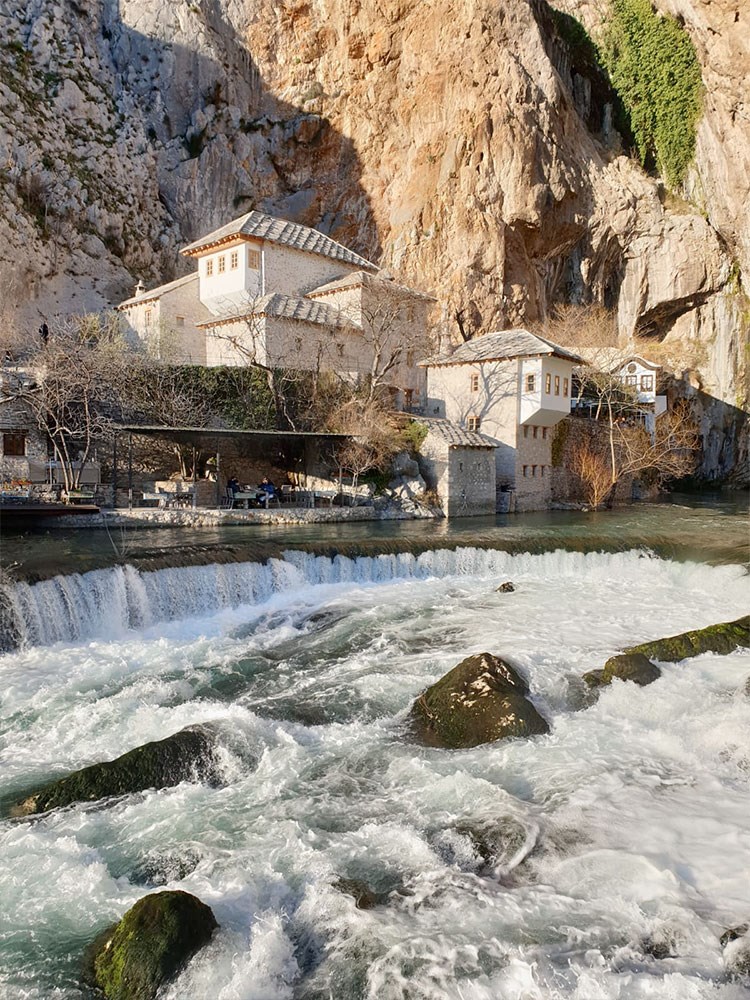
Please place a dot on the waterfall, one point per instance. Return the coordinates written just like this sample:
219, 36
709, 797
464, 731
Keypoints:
108, 602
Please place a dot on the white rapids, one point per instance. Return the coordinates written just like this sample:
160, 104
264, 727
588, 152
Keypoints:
628, 827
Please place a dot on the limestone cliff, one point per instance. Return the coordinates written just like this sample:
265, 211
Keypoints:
456, 140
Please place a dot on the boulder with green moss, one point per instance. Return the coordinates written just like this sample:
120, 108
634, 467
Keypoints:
481, 700
149, 946
634, 663
722, 638
186, 755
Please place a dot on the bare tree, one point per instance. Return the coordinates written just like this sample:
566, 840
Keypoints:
374, 439
593, 471
67, 384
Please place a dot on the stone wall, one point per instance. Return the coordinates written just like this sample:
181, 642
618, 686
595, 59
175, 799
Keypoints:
463, 477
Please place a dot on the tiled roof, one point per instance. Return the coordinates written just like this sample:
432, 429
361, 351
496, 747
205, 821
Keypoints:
155, 293
369, 280
289, 307
501, 345
454, 434
290, 234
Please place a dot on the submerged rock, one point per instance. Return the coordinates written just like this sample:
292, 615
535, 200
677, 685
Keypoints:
481, 700
722, 638
736, 945
365, 898
505, 588
186, 755
627, 667
149, 946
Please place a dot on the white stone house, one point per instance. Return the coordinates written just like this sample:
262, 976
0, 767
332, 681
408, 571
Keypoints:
23, 445
514, 387
459, 465
641, 376
284, 295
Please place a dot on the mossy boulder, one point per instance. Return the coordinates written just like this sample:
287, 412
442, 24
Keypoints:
722, 638
481, 700
150, 945
627, 667
186, 755
634, 663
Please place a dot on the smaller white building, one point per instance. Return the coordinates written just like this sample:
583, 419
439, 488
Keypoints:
641, 376
515, 387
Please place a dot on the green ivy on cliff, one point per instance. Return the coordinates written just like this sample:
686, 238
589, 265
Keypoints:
653, 66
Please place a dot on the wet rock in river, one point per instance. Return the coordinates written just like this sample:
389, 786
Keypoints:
627, 667
722, 638
365, 898
736, 945
149, 946
505, 588
634, 663
481, 700
187, 755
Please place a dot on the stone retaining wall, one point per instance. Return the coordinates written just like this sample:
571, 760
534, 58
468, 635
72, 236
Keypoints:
158, 518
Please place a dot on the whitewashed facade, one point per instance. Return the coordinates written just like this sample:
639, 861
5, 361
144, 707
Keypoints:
514, 387
270, 291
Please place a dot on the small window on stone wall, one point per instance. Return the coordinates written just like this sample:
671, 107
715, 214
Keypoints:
475, 383
14, 444
253, 259
474, 423
179, 320
526, 432
530, 383
536, 430
298, 343
222, 266
544, 433
541, 470
525, 471
147, 318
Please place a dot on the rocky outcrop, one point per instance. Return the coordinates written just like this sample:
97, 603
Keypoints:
149, 946
481, 700
187, 755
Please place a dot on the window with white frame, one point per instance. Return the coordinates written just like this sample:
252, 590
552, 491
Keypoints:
647, 383
222, 264
557, 385
209, 267
530, 383
234, 260
474, 423
548, 383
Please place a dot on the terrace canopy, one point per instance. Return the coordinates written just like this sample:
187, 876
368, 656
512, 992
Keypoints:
297, 450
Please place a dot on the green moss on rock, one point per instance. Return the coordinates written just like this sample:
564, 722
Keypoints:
150, 945
723, 638
481, 700
185, 755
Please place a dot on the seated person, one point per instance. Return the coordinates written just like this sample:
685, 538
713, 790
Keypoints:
233, 486
266, 491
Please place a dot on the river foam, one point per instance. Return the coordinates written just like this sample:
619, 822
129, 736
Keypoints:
633, 814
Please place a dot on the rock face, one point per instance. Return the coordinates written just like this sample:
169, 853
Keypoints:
468, 151
481, 700
188, 754
150, 945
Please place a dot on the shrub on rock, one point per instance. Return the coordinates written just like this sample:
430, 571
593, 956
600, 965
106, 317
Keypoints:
185, 755
481, 700
150, 945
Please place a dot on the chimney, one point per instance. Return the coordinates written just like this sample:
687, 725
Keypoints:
140, 288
